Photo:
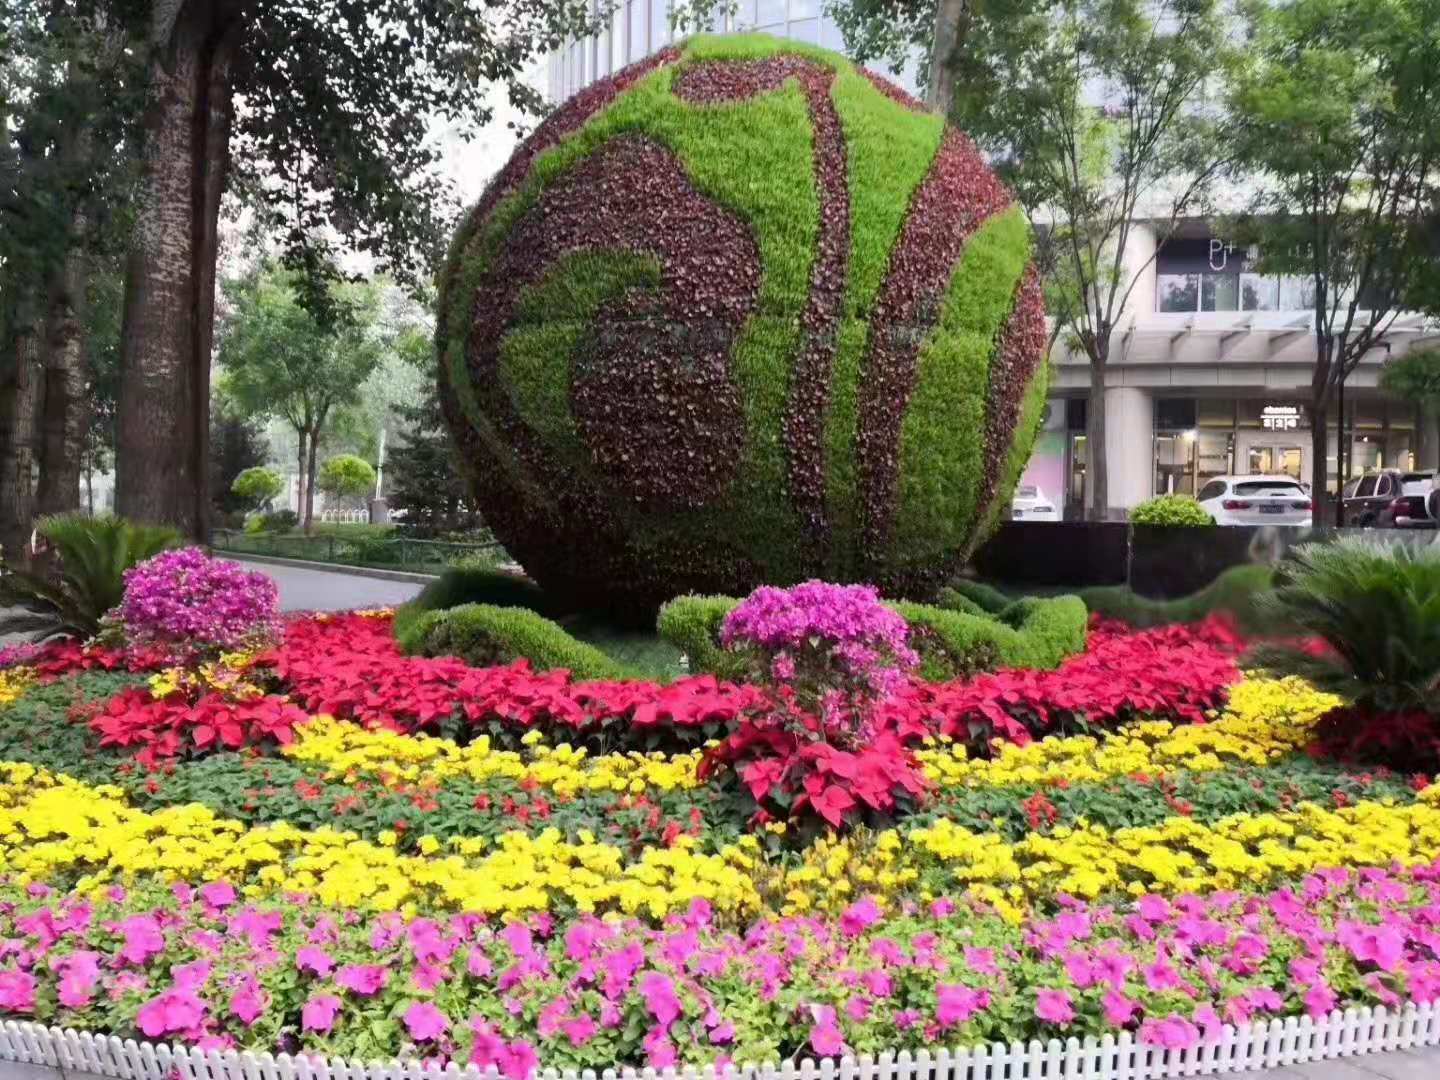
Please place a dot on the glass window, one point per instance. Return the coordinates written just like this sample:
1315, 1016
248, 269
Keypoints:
769, 12
1261, 460
602, 55
1268, 487
1366, 488
1212, 490
1259, 293
1178, 292
1220, 292
807, 30
659, 23
1297, 293
1382, 486
637, 46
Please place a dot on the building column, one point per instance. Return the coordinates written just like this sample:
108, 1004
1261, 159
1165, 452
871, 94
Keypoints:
1427, 438
1129, 445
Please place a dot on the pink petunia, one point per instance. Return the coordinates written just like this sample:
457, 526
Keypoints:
1054, 1006
174, 1011
519, 1061
825, 1037
956, 1004
247, 1004
659, 1050
364, 979
17, 991
143, 939
218, 894
315, 960
659, 994
860, 916
1119, 1009
1174, 1032
580, 1030
1320, 1001
319, 1013
425, 1022
981, 961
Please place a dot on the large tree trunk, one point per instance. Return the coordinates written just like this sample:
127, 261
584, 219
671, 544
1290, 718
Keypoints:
19, 414
1320, 393
164, 407
950, 16
300, 475
66, 408
1097, 477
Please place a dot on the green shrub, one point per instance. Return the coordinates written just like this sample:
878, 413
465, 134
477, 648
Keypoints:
1033, 632
485, 635
1378, 608
274, 521
1236, 592
962, 593
88, 580
1171, 510
472, 584
257, 486
692, 625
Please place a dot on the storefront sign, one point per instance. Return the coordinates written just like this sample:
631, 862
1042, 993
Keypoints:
1280, 417
1220, 253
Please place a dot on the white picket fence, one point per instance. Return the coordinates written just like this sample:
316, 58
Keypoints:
1262, 1046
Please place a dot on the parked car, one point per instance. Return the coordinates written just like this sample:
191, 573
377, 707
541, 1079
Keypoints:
1409, 509
1256, 500
1369, 502
1031, 504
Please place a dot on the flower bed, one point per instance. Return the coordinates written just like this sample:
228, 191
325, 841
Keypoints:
332, 848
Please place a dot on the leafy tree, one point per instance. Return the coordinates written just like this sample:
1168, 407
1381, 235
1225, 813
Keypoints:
258, 486
237, 445
281, 358
1339, 115
1415, 377
425, 487
332, 142
347, 477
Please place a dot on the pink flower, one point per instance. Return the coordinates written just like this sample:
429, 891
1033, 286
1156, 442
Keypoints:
425, 1022
143, 939
1320, 1001
981, 961
1173, 1033
1118, 1008
78, 974
659, 994
247, 1004
860, 916
315, 960
218, 894
1153, 909
17, 991
825, 1037
519, 1061
723, 1034
659, 1050
580, 1030
319, 1013
858, 1009
955, 1004
363, 979
1054, 1006
173, 1011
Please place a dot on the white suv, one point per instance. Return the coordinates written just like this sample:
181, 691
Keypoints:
1256, 500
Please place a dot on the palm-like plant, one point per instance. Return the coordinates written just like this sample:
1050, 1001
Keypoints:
89, 577
1377, 608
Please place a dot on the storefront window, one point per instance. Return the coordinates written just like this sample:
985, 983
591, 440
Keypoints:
1220, 292
1179, 292
1297, 293
1259, 293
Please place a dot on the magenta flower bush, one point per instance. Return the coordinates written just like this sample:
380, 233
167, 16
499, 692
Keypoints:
837, 648
189, 604
206, 967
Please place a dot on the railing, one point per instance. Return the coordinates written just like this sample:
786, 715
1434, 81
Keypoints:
386, 552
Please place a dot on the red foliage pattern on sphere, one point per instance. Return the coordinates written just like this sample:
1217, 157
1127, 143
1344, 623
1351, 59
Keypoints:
820, 324
951, 203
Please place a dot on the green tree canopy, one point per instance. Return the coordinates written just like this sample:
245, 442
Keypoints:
257, 486
347, 477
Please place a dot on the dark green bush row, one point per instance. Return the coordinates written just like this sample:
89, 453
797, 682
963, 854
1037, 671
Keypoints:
476, 585
1236, 592
952, 642
485, 635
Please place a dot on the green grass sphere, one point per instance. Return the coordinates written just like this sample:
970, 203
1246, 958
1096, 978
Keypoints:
741, 313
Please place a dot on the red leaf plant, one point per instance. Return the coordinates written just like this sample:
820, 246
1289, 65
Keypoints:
170, 727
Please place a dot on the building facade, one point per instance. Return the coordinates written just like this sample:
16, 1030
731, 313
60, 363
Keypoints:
1211, 366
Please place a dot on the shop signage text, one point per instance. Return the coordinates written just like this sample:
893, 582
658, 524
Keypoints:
1280, 417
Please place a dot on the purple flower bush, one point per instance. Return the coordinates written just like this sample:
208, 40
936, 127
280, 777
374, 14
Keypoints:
836, 648
192, 605
204, 966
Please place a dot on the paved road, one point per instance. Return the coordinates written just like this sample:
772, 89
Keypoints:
1403, 1065
325, 590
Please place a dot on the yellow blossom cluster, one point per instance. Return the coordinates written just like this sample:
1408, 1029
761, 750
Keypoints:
56, 829
14, 682
225, 675
1265, 719
1243, 851
348, 751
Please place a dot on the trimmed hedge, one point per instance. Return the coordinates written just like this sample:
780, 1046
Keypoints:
827, 364
963, 594
1179, 510
1235, 592
459, 585
1032, 633
484, 635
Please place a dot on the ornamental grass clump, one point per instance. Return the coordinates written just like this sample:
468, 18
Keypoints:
830, 654
194, 606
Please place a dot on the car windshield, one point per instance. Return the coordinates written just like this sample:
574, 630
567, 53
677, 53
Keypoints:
1268, 487
1417, 478
1416, 486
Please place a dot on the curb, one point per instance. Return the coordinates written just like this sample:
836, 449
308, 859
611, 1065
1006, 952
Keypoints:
328, 567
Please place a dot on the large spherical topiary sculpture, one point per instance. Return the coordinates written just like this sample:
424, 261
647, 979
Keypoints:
741, 313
